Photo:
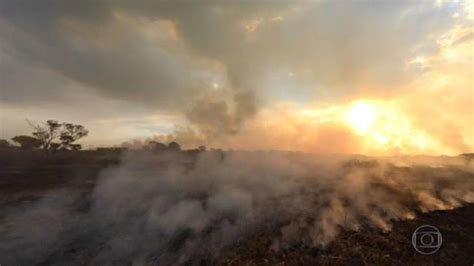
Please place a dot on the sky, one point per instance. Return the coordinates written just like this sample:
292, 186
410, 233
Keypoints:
371, 77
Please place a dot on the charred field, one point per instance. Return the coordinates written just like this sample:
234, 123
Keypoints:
230, 208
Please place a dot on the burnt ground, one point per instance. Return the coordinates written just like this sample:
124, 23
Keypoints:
369, 246
26, 177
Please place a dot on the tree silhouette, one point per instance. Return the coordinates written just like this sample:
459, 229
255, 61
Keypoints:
54, 146
65, 133
156, 146
174, 146
47, 132
70, 134
4, 143
27, 142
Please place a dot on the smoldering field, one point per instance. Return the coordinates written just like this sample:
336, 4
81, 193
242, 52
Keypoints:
176, 208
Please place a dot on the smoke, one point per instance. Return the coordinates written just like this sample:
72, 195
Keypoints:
216, 118
219, 64
174, 208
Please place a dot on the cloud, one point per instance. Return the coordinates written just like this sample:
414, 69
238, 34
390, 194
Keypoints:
216, 63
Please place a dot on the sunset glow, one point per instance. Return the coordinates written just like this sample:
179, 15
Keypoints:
397, 80
362, 116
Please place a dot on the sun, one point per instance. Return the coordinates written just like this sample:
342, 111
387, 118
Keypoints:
361, 116
382, 126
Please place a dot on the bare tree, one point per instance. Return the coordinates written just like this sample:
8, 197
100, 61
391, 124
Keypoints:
47, 132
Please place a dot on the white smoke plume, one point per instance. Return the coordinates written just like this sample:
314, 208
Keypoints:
176, 208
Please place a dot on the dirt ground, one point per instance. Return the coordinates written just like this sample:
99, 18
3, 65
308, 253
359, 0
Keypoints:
26, 178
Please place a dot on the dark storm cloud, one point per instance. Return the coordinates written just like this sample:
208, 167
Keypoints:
335, 48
